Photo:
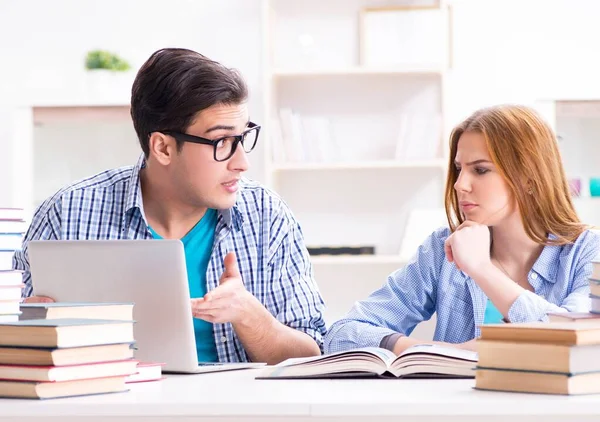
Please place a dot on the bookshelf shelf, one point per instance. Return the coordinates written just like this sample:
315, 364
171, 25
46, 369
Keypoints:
355, 143
587, 199
54, 114
362, 165
357, 260
336, 125
357, 71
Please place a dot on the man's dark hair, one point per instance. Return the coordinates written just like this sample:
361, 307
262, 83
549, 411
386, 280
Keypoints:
174, 85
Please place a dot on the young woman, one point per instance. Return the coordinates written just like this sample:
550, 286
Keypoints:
514, 251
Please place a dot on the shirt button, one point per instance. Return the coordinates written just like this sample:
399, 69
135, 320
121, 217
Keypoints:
223, 339
534, 276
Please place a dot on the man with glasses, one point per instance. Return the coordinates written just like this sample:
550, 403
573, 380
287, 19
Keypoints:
248, 268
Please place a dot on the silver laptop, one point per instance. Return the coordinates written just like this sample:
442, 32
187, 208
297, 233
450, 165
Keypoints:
150, 273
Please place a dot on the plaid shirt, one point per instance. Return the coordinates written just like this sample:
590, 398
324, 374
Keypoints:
430, 284
260, 229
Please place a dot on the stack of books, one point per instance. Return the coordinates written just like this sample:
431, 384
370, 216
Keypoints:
12, 229
51, 358
558, 357
145, 371
11, 285
539, 357
595, 287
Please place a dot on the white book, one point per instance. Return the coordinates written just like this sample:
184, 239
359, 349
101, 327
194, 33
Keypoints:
146, 371
595, 275
328, 149
6, 260
312, 139
11, 278
595, 305
285, 118
10, 241
9, 317
421, 361
12, 213
417, 37
299, 146
402, 137
10, 226
419, 225
594, 287
10, 307
277, 142
10, 293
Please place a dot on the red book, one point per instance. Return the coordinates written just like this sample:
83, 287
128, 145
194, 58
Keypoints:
146, 371
67, 373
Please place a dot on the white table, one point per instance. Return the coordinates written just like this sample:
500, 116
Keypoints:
235, 396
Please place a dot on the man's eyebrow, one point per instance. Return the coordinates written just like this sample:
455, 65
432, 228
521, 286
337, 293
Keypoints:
472, 163
222, 127
219, 127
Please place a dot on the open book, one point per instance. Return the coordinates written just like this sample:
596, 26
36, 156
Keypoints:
421, 361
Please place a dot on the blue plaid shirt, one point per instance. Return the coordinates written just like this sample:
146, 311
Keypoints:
260, 229
430, 284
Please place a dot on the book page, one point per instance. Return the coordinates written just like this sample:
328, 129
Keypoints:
375, 353
385, 355
434, 349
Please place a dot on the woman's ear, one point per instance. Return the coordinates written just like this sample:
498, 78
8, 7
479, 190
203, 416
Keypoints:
530, 189
528, 186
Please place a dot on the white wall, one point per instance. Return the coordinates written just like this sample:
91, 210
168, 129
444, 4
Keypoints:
15, 152
46, 41
523, 51
504, 50
44, 44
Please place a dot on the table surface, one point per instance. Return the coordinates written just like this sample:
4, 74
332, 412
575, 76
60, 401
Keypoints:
237, 395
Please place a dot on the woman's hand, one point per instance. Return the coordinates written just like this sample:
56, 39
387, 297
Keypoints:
469, 248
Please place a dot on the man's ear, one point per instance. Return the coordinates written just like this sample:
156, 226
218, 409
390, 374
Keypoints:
162, 147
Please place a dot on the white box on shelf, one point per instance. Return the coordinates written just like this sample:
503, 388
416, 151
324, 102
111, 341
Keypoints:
416, 33
419, 225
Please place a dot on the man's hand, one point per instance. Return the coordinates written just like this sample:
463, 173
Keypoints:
264, 338
38, 299
230, 301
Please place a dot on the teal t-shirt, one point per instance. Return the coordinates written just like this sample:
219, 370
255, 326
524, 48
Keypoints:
197, 245
492, 314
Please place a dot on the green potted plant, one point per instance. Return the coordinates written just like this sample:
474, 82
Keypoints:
108, 78
102, 59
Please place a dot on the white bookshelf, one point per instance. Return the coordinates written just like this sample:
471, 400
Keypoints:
358, 260
434, 165
356, 70
76, 141
93, 88
364, 180
576, 121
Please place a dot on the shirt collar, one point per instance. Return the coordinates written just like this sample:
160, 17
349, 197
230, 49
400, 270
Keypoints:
232, 217
134, 188
547, 263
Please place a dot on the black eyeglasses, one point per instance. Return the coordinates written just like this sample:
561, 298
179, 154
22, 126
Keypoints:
224, 147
